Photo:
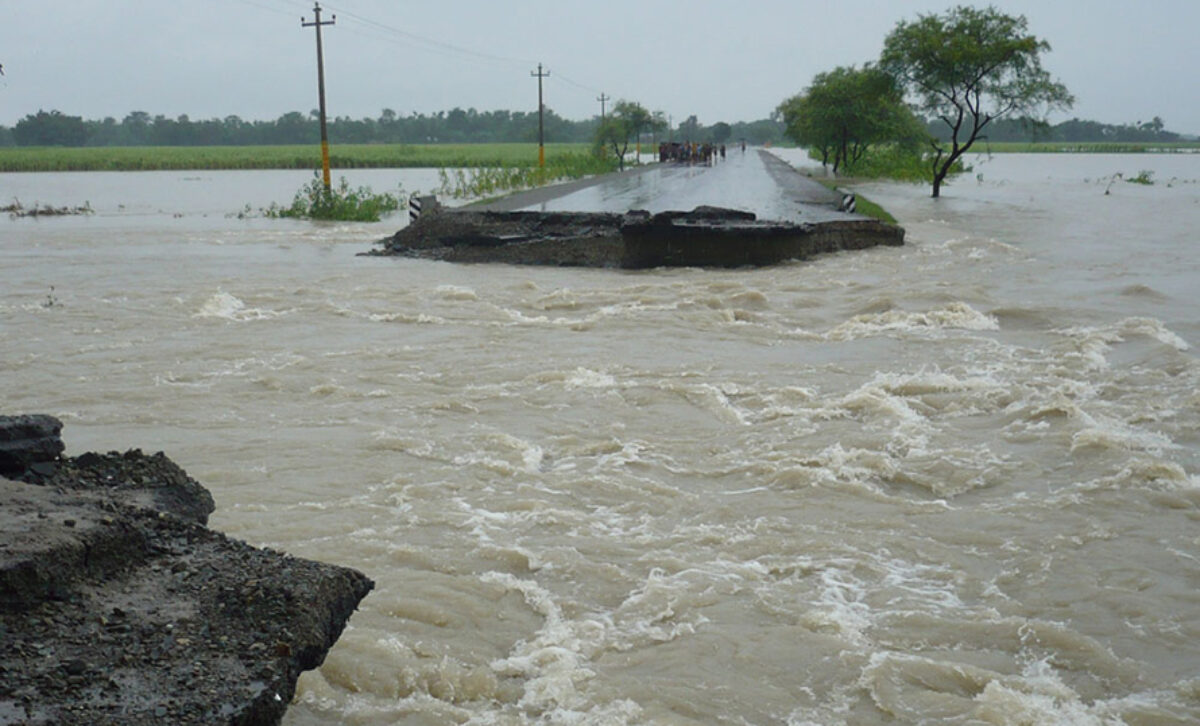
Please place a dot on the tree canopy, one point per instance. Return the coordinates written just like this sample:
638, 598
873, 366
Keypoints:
847, 110
967, 68
140, 128
50, 129
626, 123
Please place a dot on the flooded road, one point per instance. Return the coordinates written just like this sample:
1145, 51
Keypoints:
954, 482
749, 181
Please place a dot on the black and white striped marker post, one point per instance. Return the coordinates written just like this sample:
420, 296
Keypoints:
848, 203
414, 208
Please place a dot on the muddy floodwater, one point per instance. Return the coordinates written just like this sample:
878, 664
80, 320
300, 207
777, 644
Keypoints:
952, 482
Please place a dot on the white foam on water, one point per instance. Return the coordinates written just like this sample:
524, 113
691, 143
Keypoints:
1105, 432
456, 292
228, 307
841, 606
1152, 328
716, 400
588, 378
920, 689
1040, 696
1094, 343
837, 467
957, 315
1148, 473
418, 318
554, 663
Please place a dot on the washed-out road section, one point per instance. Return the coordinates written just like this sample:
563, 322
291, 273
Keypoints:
746, 210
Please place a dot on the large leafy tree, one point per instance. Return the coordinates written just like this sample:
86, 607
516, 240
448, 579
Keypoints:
846, 111
967, 68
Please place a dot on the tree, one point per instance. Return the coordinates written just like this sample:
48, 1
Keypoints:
968, 67
846, 111
626, 122
721, 132
689, 129
50, 129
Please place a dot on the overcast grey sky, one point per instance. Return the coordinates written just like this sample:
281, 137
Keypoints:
1125, 61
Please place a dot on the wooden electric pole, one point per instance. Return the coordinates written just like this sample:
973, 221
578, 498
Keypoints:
317, 23
602, 98
541, 113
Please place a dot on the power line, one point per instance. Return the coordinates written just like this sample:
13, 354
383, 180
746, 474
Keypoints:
578, 85
268, 8
384, 32
434, 43
444, 48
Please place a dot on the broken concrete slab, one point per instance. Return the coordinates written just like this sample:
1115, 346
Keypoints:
118, 606
707, 236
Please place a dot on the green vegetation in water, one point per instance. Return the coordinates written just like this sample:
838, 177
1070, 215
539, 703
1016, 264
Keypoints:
344, 156
339, 203
16, 210
1145, 176
477, 183
895, 162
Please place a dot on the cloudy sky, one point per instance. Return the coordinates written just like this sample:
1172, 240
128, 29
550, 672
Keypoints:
1125, 61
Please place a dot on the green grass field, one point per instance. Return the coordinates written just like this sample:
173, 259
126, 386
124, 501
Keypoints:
347, 156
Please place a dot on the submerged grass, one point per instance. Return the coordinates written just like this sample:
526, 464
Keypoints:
475, 183
17, 210
339, 203
308, 156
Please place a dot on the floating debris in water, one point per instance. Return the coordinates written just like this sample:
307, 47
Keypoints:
16, 209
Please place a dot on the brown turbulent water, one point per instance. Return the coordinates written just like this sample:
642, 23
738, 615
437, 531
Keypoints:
955, 482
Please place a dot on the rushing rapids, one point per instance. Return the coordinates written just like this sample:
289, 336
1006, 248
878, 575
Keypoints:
955, 480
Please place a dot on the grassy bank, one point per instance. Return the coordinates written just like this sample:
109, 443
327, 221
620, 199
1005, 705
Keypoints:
863, 205
344, 156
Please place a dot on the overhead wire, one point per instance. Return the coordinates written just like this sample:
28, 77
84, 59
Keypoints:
384, 32
432, 42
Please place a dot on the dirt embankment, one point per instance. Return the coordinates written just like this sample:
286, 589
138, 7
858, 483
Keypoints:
119, 606
704, 237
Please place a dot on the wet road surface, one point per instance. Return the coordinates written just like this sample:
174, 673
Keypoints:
754, 181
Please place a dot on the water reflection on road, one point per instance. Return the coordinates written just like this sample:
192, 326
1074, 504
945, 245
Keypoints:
743, 180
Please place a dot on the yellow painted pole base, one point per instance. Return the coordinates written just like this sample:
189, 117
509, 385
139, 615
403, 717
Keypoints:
325, 164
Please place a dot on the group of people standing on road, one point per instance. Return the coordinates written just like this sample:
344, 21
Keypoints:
690, 153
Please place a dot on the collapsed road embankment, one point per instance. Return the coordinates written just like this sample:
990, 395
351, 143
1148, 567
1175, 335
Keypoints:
751, 209
119, 606
703, 237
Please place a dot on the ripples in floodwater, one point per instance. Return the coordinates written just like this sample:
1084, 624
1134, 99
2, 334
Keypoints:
955, 481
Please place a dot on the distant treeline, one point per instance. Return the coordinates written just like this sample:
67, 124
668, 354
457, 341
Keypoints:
458, 126
54, 128
1075, 130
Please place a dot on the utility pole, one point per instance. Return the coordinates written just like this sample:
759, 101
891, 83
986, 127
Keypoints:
602, 98
317, 23
541, 112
